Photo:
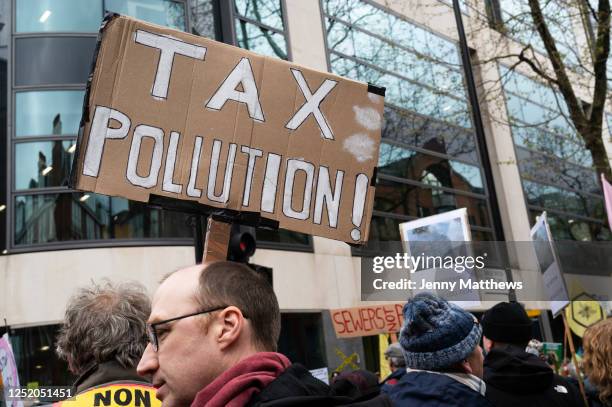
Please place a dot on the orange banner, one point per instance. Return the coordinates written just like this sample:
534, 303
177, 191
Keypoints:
365, 321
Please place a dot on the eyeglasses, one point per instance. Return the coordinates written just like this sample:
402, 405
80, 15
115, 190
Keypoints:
151, 328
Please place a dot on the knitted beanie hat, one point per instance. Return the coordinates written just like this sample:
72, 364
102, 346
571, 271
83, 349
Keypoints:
507, 322
437, 334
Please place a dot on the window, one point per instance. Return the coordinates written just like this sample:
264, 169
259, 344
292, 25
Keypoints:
44, 113
50, 73
85, 16
259, 27
35, 356
162, 12
48, 218
555, 166
53, 60
58, 15
428, 161
43, 164
514, 18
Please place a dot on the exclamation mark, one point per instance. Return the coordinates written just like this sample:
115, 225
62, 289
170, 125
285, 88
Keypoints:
361, 190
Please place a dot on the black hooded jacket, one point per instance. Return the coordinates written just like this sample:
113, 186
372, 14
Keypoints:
517, 378
297, 387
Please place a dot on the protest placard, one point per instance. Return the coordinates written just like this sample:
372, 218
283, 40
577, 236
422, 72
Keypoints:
447, 232
548, 262
365, 321
175, 115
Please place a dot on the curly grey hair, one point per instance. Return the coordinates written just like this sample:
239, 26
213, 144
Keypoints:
104, 322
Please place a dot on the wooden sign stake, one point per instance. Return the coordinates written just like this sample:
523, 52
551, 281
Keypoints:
217, 240
570, 341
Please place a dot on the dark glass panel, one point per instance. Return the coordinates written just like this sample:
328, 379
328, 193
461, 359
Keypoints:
423, 132
410, 200
405, 163
76, 216
53, 60
202, 18
268, 12
283, 236
260, 40
43, 164
554, 171
35, 356
569, 228
551, 197
302, 339
535, 139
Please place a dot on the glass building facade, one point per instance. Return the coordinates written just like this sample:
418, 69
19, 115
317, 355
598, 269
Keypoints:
53, 43
429, 161
556, 167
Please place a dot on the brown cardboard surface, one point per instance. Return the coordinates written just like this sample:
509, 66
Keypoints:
365, 321
200, 108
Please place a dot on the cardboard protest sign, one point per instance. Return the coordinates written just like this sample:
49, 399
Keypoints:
365, 321
176, 115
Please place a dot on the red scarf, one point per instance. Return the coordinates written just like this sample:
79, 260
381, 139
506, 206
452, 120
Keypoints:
236, 386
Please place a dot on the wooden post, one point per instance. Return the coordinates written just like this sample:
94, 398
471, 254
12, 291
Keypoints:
217, 240
570, 341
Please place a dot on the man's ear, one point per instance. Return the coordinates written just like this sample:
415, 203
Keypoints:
232, 324
466, 367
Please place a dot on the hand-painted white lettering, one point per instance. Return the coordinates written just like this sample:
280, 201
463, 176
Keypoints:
212, 175
242, 75
292, 167
99, 132
157, 135
168, 47
361, 191
325, 195
268, 195
253, 154
195, 162
169, 185
312, 105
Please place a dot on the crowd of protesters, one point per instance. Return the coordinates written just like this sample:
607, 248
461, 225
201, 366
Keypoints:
209, 338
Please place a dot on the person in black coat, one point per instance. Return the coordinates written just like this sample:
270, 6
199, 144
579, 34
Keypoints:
513, 376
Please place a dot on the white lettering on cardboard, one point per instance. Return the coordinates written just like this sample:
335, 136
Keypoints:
100, 131
268, 194
140, 132
242, 74
169, 185
292, 167
312, 105
253, 153
325, 196
212, 175
195, 162
168, 48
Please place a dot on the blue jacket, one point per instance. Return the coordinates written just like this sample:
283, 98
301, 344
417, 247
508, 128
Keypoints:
422, 388
392, 380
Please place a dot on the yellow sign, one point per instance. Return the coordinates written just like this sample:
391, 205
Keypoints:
385, 370
114, 395
583, 312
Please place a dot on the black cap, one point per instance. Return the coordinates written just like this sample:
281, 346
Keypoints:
507, 322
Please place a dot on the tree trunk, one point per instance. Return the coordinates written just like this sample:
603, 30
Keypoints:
595, 144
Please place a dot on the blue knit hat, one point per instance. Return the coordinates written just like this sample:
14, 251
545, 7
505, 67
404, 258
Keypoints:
437, 334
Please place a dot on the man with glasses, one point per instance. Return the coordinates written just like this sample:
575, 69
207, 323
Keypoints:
213, 334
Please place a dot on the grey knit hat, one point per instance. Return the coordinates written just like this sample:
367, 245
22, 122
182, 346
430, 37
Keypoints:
437, 334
